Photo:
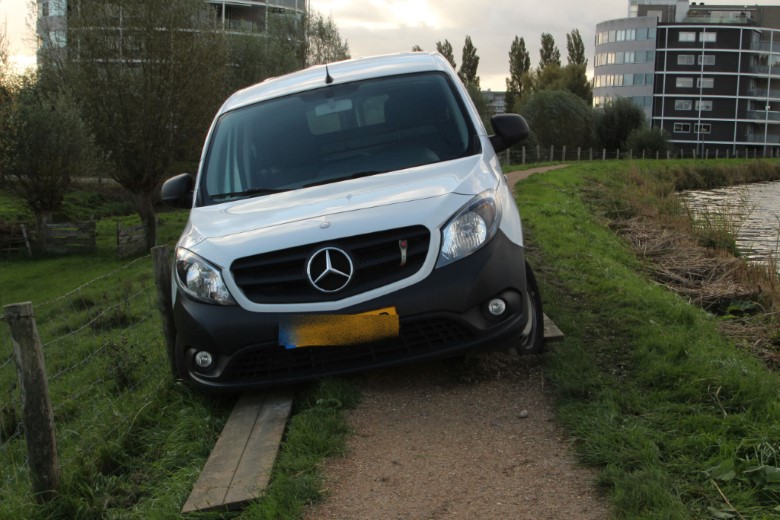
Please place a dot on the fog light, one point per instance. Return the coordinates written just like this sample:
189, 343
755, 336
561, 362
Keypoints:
496, 307
203, 359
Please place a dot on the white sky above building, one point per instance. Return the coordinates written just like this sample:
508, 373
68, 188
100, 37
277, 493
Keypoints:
385, 26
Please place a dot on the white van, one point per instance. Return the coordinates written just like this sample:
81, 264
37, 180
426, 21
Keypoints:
347, 217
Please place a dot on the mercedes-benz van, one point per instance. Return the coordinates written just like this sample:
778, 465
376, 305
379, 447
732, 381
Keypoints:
347, 217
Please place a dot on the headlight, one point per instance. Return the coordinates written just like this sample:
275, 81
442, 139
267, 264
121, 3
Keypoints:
470, 228
200, 279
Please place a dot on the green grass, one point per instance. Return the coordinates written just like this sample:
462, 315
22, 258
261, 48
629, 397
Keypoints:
131, 440
650, 391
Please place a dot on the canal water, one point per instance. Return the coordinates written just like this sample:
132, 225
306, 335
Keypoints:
756, 209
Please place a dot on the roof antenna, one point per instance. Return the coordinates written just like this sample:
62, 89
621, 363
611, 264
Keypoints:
328, 77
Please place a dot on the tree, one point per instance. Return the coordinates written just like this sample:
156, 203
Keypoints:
44, 144
571, 78
575, 80
151, 75
558, 118
549, 53
615, 122
3, 57
445, 49
323, 41
648, 140
416, 48
576, 49
280, 50
468, 64
519, 65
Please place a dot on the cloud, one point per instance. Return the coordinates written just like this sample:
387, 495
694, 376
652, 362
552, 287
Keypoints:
384, 26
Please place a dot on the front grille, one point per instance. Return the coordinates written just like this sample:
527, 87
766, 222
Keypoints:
280, 276
417, 338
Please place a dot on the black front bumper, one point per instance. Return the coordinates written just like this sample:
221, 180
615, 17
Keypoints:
444, 314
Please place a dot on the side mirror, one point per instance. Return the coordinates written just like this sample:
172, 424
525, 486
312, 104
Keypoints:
509, 130
177, 191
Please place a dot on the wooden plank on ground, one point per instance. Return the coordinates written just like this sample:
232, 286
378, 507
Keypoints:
551, 330
240, 464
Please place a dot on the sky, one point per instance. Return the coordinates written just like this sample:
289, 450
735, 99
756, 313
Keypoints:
384, 26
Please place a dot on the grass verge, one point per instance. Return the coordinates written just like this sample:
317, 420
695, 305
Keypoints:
682, 423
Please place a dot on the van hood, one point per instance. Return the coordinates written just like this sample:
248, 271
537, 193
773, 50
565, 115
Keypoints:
468, 176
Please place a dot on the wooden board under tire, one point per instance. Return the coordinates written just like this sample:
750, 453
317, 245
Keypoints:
240, 464
551, 330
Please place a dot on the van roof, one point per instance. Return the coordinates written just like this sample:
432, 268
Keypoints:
341, 72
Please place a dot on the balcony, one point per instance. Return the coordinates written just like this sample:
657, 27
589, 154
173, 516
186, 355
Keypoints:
762, 115
770, 138
762, 93
765, 46
714, 19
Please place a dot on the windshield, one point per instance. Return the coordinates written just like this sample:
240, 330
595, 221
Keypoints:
335, 133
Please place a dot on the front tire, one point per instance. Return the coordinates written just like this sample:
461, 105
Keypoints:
532, 337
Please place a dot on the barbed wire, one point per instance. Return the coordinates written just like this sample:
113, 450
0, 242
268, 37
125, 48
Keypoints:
96, 317
138, 313
87, 284
94, 353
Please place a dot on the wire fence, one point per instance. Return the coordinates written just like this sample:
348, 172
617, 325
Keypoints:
104, 354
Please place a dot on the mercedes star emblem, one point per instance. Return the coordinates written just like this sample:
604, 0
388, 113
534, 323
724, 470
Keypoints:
329, 269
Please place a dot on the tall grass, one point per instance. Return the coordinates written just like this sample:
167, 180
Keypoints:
679, 421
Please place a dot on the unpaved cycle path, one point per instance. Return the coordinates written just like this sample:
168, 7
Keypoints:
459, 439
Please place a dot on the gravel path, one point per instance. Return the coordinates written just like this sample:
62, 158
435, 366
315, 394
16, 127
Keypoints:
471, 438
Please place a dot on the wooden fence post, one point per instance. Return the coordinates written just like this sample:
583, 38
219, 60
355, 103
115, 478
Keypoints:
38, 415
603, 154
579, 153
563, 153
551, 153
162, 280
523, 154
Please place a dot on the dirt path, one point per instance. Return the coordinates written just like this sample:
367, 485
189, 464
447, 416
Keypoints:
458, 439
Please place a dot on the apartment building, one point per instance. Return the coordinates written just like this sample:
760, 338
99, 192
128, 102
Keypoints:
709, 75
246, 16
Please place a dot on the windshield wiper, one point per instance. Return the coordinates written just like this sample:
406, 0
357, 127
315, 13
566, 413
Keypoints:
248, 193
367, 173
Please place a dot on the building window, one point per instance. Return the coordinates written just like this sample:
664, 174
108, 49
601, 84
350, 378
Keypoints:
684, 82
685, 59
685, 36
45, 8
682, 104
708, 37
702, 128
705, 82
57, 7
706, 59
682, 128
705, 105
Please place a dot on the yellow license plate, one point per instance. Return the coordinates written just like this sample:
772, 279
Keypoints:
320, 330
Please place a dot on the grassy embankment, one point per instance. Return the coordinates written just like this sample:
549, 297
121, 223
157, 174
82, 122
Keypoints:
682, 423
